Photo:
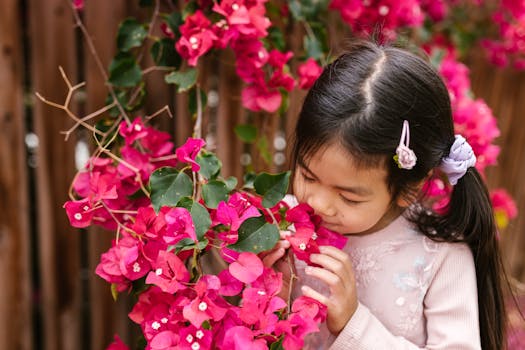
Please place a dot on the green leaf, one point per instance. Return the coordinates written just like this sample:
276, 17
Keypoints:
164, 54
248, 180
210, 165
231, 183
124, 71
114, 292
168, 186
295, 9
192, 100
188, 244
277, 38
256, 235
199, 214
246, 132
130, 34
185, 80
278, 345
264, 150
273, 188
313, 47
174, 21
214, 192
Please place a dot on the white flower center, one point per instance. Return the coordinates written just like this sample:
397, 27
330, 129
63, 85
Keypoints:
86, 207
193, 40
302, 246
314, 236
195, 346
136, 267
261, 292
164, 320
189, 338
199, 334
235, 7
261, 54
383, 10
158, 271
203, 306
78, 216
155, 325
137, 127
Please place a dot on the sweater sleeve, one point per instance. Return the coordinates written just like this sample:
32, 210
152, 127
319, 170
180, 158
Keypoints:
450, 309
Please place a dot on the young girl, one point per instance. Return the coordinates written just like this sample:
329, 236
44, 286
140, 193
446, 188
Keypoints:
375, 126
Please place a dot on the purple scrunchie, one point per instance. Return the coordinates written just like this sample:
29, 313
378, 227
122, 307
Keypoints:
460, 158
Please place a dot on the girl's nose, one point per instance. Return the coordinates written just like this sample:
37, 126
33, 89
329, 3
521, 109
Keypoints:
321, 204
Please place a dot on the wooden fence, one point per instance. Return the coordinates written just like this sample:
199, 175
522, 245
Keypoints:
51, 298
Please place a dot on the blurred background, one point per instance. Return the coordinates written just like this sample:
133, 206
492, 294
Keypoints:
50, 297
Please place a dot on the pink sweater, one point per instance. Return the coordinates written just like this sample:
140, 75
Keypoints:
413, 294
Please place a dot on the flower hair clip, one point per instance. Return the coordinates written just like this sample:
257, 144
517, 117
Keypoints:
405, 158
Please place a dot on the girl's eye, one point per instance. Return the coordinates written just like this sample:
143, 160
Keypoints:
308, 178
349, 201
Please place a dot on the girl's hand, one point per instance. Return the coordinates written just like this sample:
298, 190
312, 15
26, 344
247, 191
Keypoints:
337, 272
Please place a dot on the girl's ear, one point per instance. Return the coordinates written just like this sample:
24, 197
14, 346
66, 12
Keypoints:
405, 200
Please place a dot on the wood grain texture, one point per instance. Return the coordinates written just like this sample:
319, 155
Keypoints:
15, 294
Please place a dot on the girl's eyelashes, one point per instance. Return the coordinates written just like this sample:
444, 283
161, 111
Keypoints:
307, 178
349, 201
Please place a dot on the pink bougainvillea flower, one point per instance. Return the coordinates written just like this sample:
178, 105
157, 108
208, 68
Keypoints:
78, 4
132, 132
148, 223
247, 268
148, 300
259, 308
117, 344
138, 160
179, 225
270, 281
242, 338
192, 338
79, 213
504, 207
259, 98
310, 308
303, 245
189, 151
281, 79
123, 262
205, 306
157, 144
230, 285
196, 39
278, 59
165, 340
234, 212
169, 273
247, 17
308, 73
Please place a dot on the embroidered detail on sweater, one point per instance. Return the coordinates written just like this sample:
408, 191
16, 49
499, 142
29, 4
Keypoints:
366, 261
413, 285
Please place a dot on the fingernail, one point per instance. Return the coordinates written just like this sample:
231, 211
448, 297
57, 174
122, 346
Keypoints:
308, 270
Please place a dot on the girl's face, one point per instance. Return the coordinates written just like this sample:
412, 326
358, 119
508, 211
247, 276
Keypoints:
350, 200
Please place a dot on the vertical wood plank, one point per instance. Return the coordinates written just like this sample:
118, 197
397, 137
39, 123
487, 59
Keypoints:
107, 317
52, 44
502, 89
15, 295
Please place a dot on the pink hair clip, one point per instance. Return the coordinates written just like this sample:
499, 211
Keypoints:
405, 157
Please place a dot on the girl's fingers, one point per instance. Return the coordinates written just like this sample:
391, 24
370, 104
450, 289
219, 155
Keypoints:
309, 292
271, 258
339, 263
336, 282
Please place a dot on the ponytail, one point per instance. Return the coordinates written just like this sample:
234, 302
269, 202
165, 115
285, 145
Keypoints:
469, 218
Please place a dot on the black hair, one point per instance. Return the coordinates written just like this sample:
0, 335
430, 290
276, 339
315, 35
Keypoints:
361, 100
